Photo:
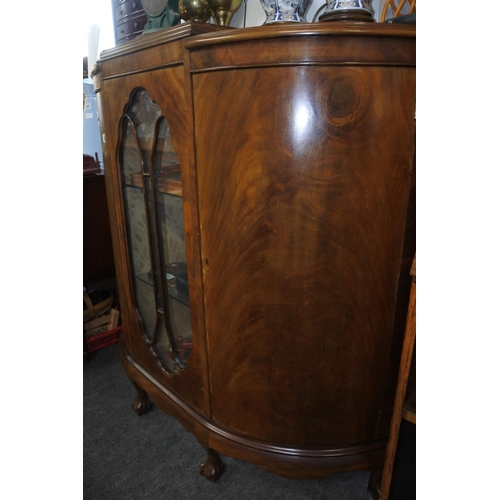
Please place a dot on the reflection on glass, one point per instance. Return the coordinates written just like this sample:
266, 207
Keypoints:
152, 187
140, 258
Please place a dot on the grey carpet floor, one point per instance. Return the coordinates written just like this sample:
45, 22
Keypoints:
154, 457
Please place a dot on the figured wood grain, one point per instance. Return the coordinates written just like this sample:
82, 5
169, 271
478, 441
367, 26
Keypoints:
321, 43
288, 51
303, 257
151, 51
303, 32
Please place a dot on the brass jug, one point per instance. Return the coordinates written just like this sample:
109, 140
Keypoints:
194, 10
223, 10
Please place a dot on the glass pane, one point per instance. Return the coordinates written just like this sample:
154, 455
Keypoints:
140, 259
170, 219
153, 201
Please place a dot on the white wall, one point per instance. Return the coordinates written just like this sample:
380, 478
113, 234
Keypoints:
97, 12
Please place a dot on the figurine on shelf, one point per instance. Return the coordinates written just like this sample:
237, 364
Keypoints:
161, 14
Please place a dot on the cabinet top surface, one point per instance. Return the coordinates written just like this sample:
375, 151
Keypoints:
299, 30
204, 34
160, 37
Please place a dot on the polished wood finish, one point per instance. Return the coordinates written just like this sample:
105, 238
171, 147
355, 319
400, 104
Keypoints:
213, 467
371, 44
404, 404
141, 403
283, 258
296, 149
156, 65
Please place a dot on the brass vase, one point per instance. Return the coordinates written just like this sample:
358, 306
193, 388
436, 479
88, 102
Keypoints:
223, 10
194, 10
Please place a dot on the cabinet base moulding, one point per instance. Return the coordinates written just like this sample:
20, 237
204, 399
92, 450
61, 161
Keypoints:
289, 462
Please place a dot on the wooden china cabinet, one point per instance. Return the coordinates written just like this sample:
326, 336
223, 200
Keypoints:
260, 184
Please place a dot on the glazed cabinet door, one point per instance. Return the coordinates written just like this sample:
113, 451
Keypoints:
145, 141
152, 195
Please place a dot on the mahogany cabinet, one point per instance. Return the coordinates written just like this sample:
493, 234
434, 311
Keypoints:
261, 194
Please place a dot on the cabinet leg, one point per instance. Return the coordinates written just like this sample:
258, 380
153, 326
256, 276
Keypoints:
374, 483
141, 403
213, 467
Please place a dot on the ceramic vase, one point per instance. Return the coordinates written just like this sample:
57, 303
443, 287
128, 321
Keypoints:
348, 10
288, 11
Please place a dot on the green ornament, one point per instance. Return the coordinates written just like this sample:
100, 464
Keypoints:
161, 14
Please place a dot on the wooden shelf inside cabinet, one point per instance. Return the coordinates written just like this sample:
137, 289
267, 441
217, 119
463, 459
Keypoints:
170, 184
175, 294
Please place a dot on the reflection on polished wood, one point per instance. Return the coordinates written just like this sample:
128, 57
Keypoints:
141, 403
213, 467
305, 249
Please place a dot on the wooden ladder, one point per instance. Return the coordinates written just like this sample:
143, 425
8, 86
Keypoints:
405, 404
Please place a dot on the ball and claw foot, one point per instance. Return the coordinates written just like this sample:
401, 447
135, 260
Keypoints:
141, 403
213, 467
